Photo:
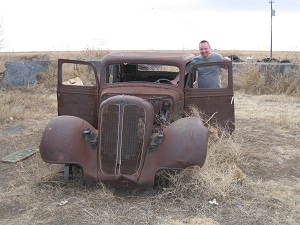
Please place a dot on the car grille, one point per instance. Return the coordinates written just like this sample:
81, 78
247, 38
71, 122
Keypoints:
122, 131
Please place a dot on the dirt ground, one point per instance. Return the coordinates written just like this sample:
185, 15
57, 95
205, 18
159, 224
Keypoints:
253, 175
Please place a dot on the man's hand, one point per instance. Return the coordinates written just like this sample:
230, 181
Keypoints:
227, 59
174, 82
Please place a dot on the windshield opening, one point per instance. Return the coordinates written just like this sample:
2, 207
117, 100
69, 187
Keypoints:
154, 73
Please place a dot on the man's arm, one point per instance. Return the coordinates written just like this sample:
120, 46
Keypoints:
176, 80
226, 59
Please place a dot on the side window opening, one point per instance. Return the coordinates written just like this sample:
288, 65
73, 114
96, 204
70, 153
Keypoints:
192, 78
78, 74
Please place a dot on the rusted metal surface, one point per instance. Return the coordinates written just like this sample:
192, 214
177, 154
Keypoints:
170, 99
184, 145
216, 103
63, 143
79, 101
177, 59
126, 130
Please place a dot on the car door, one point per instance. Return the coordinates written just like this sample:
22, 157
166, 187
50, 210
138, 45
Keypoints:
78, 90
216, 105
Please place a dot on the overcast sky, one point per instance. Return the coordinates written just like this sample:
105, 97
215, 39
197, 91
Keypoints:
36, 25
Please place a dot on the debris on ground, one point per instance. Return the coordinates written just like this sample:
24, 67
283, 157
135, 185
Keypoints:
19, 155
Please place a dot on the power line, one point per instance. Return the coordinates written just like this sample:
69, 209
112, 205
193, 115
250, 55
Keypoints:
272, 14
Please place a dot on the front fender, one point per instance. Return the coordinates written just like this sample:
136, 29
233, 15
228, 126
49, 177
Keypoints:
185, 144
63, 143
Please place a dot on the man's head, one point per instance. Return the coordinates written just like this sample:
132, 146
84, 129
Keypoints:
205, 49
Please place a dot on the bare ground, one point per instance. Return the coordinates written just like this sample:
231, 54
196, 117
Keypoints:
253, 175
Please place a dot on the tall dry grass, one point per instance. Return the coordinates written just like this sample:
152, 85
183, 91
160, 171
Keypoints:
16, 103
254, 79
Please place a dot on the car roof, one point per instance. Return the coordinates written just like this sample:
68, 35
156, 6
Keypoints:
168, 58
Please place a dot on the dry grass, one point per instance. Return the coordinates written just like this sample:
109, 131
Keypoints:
252, 79
231, 175
16, 103
253, 175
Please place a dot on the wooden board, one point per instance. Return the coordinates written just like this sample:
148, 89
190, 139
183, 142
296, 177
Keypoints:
19, 155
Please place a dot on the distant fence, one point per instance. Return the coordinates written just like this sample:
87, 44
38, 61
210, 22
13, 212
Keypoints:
25, 73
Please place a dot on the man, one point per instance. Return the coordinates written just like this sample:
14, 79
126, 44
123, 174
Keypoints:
208, 76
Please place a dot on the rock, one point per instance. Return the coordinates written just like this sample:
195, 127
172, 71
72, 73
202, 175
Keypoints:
73, 81
23, 73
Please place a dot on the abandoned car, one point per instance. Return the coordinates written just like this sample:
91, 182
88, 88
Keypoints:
124, 121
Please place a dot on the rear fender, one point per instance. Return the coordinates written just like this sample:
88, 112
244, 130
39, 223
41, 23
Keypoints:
63, 143
184, 144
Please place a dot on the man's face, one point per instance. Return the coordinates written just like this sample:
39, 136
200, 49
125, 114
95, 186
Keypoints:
204, 50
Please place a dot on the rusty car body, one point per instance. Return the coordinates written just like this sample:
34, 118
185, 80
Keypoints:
127, 122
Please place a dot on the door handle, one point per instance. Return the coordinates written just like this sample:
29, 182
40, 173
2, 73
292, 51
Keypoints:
231, 101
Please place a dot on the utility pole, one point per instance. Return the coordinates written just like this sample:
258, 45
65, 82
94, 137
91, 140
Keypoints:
272, 14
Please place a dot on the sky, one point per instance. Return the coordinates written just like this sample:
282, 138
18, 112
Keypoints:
59, 25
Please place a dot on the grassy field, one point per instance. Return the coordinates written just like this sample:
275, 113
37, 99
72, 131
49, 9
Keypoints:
250, 177
293, 56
